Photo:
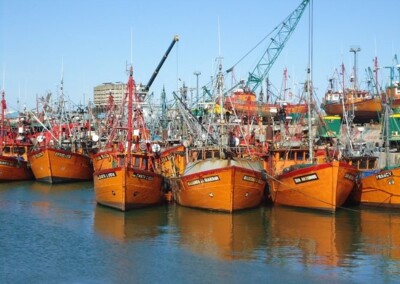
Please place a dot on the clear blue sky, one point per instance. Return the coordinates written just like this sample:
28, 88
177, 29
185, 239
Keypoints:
91, 41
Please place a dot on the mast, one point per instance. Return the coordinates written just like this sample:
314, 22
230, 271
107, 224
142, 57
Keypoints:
376, 68
131, 85
3, 110
220, 79
308, 83
284, 83
386, 106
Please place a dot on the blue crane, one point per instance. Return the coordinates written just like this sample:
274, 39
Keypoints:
280, 35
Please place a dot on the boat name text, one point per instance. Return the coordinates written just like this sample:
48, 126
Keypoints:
203, 180
62, 155
5, 163
142, 176
102, 156
106, 175
383, 175
38, 155
350, 177
306, 178
252, 179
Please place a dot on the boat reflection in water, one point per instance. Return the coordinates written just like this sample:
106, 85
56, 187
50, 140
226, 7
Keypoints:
220, 235
380, 231
317, 238
141, 224
44, 187
57, 200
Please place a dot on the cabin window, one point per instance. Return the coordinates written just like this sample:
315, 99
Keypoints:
371, 164
209, 154
300, 156
281, 155
363, 164
216, 154
19, 150
291, 155
144, 164
200, 155
137, 162
6, 150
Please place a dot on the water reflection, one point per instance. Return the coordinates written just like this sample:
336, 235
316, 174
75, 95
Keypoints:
380, 231
43, 187
310, 237
141, 224
220, 235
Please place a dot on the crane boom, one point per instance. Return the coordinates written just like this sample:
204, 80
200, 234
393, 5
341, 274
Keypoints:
281, 35
155, 73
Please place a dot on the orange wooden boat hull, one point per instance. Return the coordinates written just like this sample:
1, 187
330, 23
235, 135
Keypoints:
12, 169
57, 166
381, 189
364, 110
104, 160
173, 161
296, 108
125, 188
322, 186
227, 189
253, 109
245, 103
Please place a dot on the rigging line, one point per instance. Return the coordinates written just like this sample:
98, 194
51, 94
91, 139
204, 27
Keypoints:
250, 51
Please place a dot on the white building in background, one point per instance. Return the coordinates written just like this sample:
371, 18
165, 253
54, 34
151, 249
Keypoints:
102, 92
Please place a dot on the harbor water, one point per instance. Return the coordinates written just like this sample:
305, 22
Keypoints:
58, 234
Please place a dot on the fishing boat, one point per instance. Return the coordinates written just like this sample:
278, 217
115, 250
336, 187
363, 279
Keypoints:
380, 187
309, 180
57, 165
14, 146
126, 174
317, 186
61, 152
215, 170
216, 182
245, 103
363, 106
310, 177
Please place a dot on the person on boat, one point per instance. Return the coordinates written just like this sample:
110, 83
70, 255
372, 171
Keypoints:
232, 139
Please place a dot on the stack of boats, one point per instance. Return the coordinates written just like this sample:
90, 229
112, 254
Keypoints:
233, 153
223, 162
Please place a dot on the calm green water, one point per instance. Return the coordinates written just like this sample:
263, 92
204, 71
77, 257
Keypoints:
57, 234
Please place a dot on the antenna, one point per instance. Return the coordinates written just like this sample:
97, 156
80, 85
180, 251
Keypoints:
131, 46
4, 76
62, 76
219, 39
